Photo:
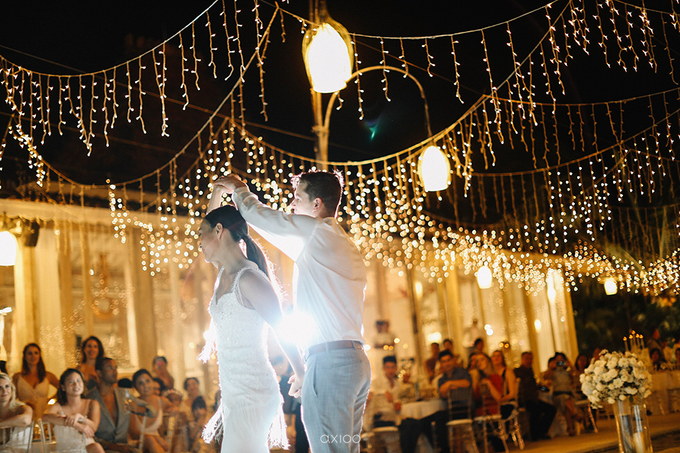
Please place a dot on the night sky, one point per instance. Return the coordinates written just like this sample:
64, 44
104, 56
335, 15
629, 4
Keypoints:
74, 36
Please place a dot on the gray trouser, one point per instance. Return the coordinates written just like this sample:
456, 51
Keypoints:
333, 399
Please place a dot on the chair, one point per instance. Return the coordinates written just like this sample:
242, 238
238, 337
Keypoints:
69, 440
584, 405
139, 443
490, 420
169, 423
459, 426
16, 439
513, 422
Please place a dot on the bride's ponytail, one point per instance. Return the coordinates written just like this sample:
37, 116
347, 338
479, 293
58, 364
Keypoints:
254, 253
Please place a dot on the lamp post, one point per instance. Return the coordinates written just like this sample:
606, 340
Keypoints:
329, 57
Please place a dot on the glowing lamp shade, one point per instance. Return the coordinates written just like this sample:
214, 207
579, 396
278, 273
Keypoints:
610, 287
327, 51
484, 278
8, 249
434, 169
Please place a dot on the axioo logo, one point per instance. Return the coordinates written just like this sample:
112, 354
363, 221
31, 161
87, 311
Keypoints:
340, 439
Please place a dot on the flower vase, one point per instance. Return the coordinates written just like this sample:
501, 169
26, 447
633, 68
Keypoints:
632, 426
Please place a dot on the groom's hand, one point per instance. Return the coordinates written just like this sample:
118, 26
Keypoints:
295, 382
228, 183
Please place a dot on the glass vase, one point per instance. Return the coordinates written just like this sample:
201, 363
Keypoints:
632, 426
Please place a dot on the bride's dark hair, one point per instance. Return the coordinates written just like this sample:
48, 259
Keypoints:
230, 219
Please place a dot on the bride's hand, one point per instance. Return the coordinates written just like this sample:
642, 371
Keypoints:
295, 382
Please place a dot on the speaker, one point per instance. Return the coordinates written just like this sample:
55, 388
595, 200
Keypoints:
31, 235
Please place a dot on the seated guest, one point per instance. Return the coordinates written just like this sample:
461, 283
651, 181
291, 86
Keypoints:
13, 414
33, 382
453, 376
384, 401
115, 404
560, 377
384, 394
487, 387
153, 441
157, 384
658, 360
199, 419
91, 351
75, 419
193, 390
160, 370
541, 414
508, 399
448, 345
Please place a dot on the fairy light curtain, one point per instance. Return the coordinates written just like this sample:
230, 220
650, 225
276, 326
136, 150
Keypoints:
391, 216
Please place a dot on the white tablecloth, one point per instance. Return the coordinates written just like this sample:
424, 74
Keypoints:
422, 409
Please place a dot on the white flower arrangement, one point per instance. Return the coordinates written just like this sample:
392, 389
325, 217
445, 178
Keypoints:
615, 376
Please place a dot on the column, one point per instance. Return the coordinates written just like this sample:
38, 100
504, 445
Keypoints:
25, 328
48, 294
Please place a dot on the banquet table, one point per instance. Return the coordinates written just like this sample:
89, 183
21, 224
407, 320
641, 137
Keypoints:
422, 409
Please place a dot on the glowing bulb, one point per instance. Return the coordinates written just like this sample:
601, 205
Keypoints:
484, 277
610, 287
537, 325
434, 169
328, 55
8, 249
434, 337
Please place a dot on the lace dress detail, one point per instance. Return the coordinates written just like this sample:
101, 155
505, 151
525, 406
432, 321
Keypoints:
250, 409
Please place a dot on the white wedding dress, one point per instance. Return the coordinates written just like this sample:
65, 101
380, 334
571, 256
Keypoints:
251, 413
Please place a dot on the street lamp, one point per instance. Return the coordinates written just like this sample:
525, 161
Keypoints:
327, 51
329, 57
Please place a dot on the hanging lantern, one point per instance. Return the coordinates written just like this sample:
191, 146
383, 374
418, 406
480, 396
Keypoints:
434, 169
484, 277
8, 249
328, 54
610, 287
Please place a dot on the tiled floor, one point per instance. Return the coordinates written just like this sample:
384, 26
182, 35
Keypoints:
606, 438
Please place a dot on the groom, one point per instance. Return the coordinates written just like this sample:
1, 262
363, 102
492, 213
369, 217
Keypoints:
330, 279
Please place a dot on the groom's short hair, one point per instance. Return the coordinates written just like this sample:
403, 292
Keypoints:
326, 185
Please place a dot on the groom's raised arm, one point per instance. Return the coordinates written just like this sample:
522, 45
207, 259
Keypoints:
288, 232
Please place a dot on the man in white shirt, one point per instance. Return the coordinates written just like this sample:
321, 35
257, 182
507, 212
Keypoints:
384, 396
329, 284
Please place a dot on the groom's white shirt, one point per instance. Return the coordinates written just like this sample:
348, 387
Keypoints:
330, 274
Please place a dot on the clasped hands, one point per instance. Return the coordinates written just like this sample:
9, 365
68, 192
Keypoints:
77, 422
228, 183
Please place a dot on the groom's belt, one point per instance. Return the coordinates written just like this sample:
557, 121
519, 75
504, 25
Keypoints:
333, 345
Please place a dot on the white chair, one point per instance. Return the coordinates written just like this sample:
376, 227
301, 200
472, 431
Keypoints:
15, 439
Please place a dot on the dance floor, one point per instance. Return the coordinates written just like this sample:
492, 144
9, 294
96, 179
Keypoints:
661, 427
605, 440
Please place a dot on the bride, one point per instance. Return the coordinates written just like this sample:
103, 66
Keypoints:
242, 305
